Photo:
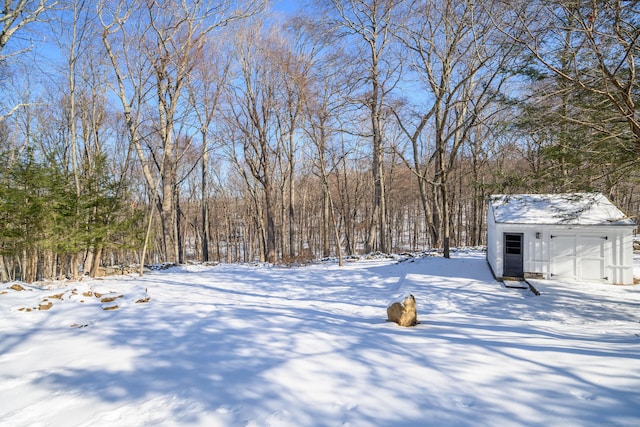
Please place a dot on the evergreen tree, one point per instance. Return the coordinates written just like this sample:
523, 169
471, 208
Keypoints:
24, 205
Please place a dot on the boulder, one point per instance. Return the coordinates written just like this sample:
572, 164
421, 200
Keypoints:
403, 311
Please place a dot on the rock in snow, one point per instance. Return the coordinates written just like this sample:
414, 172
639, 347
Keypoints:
403, 311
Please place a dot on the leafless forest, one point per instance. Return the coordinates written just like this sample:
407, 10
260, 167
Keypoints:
153, 131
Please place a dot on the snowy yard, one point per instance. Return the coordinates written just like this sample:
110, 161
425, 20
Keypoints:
238, 345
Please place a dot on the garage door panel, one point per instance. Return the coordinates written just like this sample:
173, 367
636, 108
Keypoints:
563, 256
563, 246
591, 269
563, 268
591, 248
591, 251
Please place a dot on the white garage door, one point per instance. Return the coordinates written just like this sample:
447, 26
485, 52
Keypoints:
579, 258
592, 265
563, 257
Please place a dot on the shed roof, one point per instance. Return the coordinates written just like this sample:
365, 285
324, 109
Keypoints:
557, 209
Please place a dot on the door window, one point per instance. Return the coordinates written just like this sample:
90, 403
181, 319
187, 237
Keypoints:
513, 244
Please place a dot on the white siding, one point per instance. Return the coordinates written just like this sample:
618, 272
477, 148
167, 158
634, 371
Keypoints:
536, 259
620, 269
493, 244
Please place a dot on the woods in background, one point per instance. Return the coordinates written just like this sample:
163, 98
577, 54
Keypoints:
141, 131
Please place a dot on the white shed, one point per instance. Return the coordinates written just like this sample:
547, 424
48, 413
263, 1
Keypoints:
578, 236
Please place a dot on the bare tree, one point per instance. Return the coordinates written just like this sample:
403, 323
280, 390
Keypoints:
205, 91
323, 104
15, 16
459, 57
369, 23
295, 69
254, 105
18, 14
166, 39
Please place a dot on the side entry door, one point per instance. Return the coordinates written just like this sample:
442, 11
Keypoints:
513, 259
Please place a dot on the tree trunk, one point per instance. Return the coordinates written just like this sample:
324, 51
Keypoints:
326, 251
444, 194
4, 276
379, 208
270, 244
292, 212
204, 196
179, 229
95, 263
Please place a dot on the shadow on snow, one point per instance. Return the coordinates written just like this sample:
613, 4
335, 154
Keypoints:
314, 342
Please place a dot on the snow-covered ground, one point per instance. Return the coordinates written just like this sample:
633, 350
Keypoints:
238, 345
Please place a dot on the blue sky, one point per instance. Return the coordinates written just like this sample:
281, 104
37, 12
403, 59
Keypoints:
286, 6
